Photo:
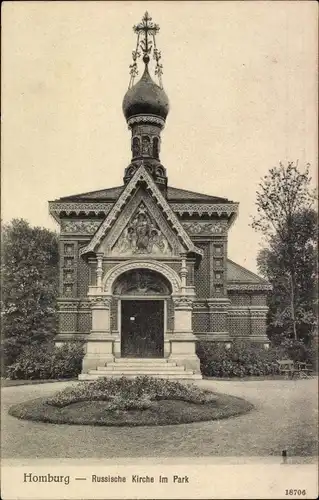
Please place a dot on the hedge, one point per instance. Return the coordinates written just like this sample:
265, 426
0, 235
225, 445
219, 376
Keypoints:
247, 359
46, 361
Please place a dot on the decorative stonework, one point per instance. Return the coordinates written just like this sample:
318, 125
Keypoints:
146, 119
218, 289
249, 287
218, 250
68, 262
69, 249
67, 306
239, 313
84, 306
216, 305
80, 226
68, 268
159, 267
200, 306
56, 208
182, 301
100, 301
68, 275
207, 228
141, 176
258, 314
205, 208
248, 311
142, 236
68, 290
141, 282
127, 216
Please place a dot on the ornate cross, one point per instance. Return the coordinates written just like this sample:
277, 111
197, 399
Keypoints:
145, 30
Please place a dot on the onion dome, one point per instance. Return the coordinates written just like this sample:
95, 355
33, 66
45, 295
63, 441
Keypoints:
145, 98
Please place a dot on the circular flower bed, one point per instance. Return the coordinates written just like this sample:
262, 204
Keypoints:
131, 402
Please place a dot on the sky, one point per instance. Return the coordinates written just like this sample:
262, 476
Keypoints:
241, 78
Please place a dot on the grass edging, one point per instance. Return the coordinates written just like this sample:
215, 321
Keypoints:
14, 383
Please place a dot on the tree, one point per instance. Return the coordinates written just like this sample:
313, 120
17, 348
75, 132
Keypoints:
271, 263
285, 217
29, 267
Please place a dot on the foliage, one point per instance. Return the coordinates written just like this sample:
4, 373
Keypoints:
47, 361
29, 267
242, 359
272, 264
247, 359
139, 389
286, 219
297, 350
120, 403
163, 412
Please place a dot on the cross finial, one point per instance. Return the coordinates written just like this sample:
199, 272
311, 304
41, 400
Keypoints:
146, 31
146, 28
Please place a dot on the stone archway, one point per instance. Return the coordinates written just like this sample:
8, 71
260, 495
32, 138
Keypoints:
104, 343
158, 267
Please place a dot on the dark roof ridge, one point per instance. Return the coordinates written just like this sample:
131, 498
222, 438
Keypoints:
173, 194
90, 192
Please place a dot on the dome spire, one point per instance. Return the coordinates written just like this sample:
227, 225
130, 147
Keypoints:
146, 32
145, 107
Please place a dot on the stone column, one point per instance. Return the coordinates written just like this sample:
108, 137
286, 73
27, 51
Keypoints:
99, 271
183, 341
99, 346
183, 274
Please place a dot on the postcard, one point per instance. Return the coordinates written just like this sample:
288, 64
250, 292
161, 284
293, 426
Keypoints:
159, 253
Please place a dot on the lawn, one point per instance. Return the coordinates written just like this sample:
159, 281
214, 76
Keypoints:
143, 401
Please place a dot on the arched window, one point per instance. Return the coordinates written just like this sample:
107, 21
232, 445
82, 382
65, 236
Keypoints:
142, 282
155, 147
146, 145
136, 147
130, 171
160, 171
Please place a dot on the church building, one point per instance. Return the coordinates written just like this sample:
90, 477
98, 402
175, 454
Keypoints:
144, 270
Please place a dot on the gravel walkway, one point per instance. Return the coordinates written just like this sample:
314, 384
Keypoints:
285, 417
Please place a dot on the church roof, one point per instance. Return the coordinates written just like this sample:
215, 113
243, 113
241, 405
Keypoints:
238, 277
173, 195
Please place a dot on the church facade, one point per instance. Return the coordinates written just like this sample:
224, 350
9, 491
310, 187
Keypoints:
144, 269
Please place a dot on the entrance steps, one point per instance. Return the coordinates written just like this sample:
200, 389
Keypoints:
133, 367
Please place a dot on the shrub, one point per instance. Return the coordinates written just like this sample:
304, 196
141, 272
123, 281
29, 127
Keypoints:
46, 361
119, 403
296, 350
32, 363
67, 360
247, 359
242, 359
130, 392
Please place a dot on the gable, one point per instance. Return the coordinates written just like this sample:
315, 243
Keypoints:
141, 229
158, 210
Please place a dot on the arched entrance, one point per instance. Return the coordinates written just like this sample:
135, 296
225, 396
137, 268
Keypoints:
142, 296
